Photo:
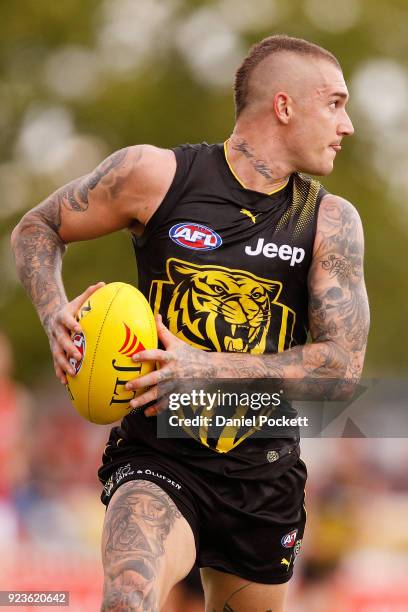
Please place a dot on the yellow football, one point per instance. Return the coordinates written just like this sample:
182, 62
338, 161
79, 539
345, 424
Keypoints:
117, 323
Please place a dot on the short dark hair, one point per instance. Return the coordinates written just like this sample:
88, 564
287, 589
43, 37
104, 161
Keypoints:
265, 48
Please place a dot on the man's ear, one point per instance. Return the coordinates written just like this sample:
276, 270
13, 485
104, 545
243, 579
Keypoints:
282, 106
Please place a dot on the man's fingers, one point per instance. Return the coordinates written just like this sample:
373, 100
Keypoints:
144, 398
153, 355
64, 325
90, 291
60, 374
65, 343
86, 294
62, 362
165, 336
69, 321
157, 408
148, 380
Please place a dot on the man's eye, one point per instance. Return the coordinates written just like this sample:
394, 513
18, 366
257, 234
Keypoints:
334, 104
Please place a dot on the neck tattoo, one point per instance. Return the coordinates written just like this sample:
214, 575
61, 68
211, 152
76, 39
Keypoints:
259, 165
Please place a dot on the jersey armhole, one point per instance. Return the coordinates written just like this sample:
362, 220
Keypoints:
168, 201
322, 192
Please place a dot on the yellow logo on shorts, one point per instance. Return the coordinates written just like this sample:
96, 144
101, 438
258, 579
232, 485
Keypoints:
286, 562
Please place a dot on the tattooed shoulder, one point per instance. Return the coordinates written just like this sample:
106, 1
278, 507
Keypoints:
339, 244
338, 222
75, 196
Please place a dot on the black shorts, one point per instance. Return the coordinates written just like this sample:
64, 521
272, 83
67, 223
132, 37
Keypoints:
249, 528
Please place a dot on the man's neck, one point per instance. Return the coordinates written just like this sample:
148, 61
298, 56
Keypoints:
256, 163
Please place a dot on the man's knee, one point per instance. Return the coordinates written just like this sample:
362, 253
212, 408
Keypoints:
130, 586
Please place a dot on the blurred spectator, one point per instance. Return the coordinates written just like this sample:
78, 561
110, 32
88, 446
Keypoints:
354, 529
15, 407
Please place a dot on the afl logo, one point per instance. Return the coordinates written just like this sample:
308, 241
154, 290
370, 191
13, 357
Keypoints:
288, 540
79, 341
194, 236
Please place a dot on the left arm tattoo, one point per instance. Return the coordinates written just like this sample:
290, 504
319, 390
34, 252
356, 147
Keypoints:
338, 315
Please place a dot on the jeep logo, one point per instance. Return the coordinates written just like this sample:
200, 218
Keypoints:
270, 249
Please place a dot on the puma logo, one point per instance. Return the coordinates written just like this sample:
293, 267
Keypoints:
249, 214
286, 562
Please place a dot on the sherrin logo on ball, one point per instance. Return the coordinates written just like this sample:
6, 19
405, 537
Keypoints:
117, 323
79, 341
195, 236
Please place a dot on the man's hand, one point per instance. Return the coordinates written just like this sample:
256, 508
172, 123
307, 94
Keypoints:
177, 360
60, 326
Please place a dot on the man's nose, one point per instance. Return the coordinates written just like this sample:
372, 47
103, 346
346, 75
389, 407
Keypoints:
346, 127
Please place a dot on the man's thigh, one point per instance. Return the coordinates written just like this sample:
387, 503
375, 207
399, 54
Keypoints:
228, 593
143, 535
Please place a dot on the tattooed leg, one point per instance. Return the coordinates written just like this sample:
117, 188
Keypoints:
227, 593
144, 534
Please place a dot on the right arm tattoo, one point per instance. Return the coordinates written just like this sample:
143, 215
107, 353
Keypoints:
37, 244
38, 251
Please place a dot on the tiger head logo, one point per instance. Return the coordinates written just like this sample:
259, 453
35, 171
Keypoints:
212, 305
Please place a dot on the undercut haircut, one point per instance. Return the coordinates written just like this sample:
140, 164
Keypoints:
263, 49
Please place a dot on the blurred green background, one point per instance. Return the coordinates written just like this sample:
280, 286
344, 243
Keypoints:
81, 79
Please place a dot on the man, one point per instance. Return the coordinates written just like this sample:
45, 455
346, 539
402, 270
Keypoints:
240, 255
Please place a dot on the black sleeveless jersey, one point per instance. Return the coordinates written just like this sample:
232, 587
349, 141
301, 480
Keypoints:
227, 269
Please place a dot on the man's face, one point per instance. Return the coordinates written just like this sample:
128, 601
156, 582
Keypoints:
319, 120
